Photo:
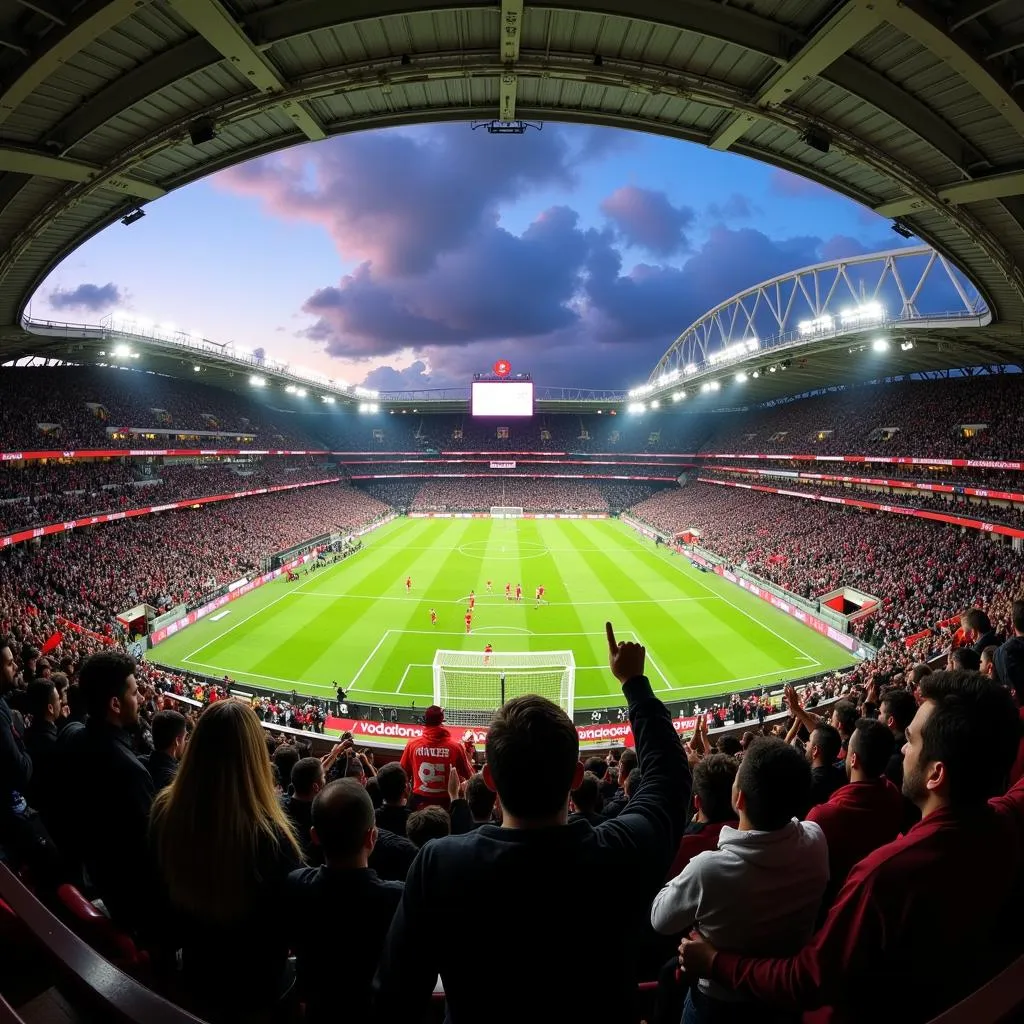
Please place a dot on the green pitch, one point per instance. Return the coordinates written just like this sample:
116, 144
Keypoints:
356, 624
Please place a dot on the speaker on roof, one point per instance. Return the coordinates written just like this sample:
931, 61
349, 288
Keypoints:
202, 130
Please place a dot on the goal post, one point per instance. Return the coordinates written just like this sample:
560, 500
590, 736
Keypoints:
472, 685
506, 512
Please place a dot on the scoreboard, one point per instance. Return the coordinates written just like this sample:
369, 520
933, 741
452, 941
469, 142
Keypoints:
507, 398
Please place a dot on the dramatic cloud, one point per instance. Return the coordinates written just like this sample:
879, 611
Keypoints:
414, 377
92, 297
647, 220
736, 207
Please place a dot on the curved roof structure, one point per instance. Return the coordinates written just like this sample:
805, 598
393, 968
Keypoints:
911, 107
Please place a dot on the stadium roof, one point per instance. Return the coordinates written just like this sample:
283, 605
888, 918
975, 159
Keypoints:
911, 107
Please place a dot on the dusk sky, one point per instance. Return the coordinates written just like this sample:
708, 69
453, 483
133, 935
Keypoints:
415, 257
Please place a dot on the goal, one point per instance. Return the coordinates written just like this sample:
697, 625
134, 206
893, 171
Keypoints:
506, 512
471, 685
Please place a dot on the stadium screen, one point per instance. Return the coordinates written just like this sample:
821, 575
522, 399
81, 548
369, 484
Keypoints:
503, 398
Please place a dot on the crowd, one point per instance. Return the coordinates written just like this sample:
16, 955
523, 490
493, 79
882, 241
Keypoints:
41, 494
798, 868
89, 576
434, 465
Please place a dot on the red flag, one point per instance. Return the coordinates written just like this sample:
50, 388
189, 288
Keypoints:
54, 640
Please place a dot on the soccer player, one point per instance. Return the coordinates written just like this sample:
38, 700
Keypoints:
488, 586
433, 617
540, 594
469, 621
536, 596
488, 651
519, 591
508, 591
408, 584
472, 600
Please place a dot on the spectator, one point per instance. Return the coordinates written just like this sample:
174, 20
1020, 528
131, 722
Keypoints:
428, 759
475, 808
898, 906
823, 752
43, 704
896, 711
428, 823
844, 719
394, 813
867, 812
344, 889
535, 860
1010, 656
713, 779
307, 780
616, 804
170, 730
226, 909
760, 891
584, 800
108, 792
963, 659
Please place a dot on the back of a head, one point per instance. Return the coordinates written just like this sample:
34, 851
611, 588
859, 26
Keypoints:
587, 794
286, 757
167, 727
632, 783
104, 676
974, 729
1017, 616
627, 762
596, 766
342, 815
965, 659
480, 798
224, 792
900, 705
532, 752
828, 741
978, 621
730, 746
919, 671
426, 824
873, 744
306, 773
775, 781
845, 712
393, 782
712, 782
40, 694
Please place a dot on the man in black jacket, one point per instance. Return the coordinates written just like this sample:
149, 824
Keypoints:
345, 889
170, 731
108, 791
541, 877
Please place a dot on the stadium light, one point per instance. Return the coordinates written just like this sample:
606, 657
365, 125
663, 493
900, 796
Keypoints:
741, 377
301, 392
865, 313
196, 369
257, 381
678, 396
366, 393
818, 325
879, 344
906, 346
122, 351
635, 407
655, 404
290, 389
329, 399
710, 385
756, 374
735, 351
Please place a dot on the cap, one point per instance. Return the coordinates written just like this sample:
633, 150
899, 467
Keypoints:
433, 715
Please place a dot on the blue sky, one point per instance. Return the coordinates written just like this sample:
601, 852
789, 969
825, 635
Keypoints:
415, 257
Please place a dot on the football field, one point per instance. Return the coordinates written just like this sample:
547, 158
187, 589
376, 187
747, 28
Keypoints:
354, 623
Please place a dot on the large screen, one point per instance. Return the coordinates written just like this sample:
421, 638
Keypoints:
503, 398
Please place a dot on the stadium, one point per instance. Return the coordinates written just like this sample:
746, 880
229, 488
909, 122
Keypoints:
728, 655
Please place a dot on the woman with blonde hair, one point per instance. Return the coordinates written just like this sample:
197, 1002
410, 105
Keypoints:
224, 847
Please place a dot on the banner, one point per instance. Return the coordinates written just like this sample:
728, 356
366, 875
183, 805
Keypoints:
892, 460
75, 628
525, 515
521, 475
111, 517
117, 453
939, 517
503, 465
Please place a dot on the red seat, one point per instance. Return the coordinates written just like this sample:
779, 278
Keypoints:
100, 932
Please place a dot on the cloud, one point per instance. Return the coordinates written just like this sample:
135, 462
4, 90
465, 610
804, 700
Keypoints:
787, 185
647, 220
92, 297
415, 377
401, 202
736, 207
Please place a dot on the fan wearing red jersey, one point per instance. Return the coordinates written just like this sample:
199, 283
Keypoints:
428, 760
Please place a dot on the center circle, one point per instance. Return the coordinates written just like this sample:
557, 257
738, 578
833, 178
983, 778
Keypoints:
498, 552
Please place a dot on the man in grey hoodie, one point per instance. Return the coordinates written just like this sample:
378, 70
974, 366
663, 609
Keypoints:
762, 888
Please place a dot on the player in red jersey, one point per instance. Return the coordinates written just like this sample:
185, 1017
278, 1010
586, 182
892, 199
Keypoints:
433, 617
472, 600
536, 596
519, 591
428, 760
508, 591
469, 621
540, 595
408, 584
488, 586
488, 651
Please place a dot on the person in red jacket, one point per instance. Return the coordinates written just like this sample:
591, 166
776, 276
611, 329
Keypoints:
866, 813
906, 927
428, 760
712, 798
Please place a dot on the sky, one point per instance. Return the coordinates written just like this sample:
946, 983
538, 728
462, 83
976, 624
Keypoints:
415, 257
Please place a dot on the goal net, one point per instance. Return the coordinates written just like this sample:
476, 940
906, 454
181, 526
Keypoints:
506, 512
472, 685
